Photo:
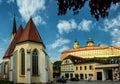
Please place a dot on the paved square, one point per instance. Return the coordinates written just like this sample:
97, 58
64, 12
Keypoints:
90, 82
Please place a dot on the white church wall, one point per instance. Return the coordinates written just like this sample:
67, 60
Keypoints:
43, 66
11, 69
15, 64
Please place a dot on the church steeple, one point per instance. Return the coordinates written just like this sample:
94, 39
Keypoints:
90, 42
14, 28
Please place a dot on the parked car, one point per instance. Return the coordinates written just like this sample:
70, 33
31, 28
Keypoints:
74, 79
61, 80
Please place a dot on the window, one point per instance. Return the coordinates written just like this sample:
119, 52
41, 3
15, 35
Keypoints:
90, 67
35, 63
71, 67
63, 68
85, 67
22, 62
76, 68
5, 68
85, 76
80, 67
68, 61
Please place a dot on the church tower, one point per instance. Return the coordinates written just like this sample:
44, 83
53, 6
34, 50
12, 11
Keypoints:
14, 29
90, 42
76, 44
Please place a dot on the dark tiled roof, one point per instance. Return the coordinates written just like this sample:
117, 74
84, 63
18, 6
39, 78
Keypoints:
13, 43
76, 60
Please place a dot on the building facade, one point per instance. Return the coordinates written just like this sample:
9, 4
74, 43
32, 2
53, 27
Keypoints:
91, 51
68, 66
85, 69
26, 60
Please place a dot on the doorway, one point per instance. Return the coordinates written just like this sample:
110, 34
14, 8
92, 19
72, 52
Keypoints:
99, 75
110, 75
81, 76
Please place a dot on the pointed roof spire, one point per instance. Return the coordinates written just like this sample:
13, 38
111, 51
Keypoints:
13, 43
30, 33
14, 26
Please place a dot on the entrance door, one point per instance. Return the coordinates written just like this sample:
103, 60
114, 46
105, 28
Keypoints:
110, 75
99, 75
66, 75
76, 76
71, 75
81, 76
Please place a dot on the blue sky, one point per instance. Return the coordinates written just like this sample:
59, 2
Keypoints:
58, 32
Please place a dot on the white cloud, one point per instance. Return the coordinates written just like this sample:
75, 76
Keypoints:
2, 51
63, 49
39, 20
66, 26
114, 6
59, 42
115, 36
54, 58
112, 26
1, 60
30, 8
85, 25
113, 23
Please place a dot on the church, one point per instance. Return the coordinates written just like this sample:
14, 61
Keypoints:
26, 60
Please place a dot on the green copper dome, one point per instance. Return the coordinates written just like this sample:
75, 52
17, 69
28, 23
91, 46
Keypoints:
90, 40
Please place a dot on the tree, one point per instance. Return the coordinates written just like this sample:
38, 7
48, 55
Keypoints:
98, 8
56, 68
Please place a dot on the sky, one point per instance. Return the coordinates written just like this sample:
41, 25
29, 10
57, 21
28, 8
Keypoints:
58, 32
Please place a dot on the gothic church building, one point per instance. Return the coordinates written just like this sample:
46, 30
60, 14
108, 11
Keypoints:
26, 60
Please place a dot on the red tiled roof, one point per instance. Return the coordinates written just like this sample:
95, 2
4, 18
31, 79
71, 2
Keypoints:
13, 43
30, 33
117, 47
86, 48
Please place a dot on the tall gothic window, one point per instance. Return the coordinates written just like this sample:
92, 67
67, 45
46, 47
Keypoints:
22, 62
35, 62
5, 68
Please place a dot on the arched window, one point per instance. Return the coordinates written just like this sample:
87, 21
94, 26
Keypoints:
35, 62
22, 62
5, 68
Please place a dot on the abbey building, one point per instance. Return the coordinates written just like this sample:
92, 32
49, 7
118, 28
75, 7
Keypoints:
91, 51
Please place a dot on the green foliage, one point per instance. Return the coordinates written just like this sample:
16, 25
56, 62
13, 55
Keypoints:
98, 8
57, 63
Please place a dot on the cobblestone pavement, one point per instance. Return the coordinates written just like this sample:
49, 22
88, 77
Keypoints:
90, 82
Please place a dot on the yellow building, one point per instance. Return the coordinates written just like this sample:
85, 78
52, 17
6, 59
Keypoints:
91, 51
85, 69
26, 60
